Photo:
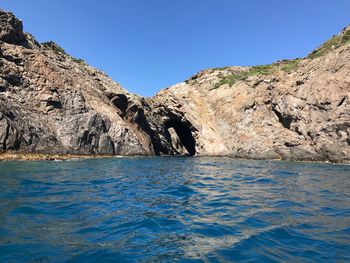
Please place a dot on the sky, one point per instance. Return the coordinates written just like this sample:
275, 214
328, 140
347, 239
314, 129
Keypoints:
147, 45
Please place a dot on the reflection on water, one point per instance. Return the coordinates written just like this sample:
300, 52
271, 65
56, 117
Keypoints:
165, 209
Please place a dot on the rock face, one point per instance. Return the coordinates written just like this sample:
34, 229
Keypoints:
53, 103
298, 109
11, 29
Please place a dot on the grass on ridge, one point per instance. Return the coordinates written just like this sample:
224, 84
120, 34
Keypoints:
256, 70
335, 42
289, 65
285, 65
78, 60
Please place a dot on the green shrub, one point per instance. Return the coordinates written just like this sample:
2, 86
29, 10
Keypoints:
331, 44
79, 60
242, 75
345, 38
290, 65
284, 65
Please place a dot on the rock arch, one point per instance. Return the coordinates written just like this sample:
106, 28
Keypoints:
185, 140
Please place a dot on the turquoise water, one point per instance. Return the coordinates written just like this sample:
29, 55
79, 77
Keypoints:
174, 210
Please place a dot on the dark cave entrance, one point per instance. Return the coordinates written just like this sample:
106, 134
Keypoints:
184, 134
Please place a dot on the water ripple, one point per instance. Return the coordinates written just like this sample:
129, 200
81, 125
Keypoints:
174, 209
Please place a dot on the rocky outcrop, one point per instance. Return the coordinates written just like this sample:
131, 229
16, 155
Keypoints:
11, 29
295, 110
52, 103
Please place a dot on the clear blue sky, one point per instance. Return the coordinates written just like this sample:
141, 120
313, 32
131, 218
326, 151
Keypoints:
146, 45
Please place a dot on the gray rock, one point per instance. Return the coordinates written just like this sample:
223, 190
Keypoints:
11, 29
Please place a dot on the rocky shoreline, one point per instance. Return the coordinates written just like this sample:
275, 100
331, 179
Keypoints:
52, 104
73, 157
47, 157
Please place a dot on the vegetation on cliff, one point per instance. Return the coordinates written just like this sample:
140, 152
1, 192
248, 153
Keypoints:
333, 43
284, 65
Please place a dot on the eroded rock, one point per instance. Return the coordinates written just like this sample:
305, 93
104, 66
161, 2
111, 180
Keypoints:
11, 29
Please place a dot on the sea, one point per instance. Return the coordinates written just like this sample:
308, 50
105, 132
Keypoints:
174, 209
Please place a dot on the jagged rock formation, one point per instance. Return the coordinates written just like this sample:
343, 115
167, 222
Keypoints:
53, 103
298, 109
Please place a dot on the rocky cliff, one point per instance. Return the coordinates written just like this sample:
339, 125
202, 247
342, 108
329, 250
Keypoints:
53, 103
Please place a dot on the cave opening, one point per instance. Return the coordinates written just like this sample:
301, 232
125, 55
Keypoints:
184, 134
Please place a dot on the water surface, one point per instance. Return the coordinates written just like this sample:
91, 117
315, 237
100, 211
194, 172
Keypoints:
174, 210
